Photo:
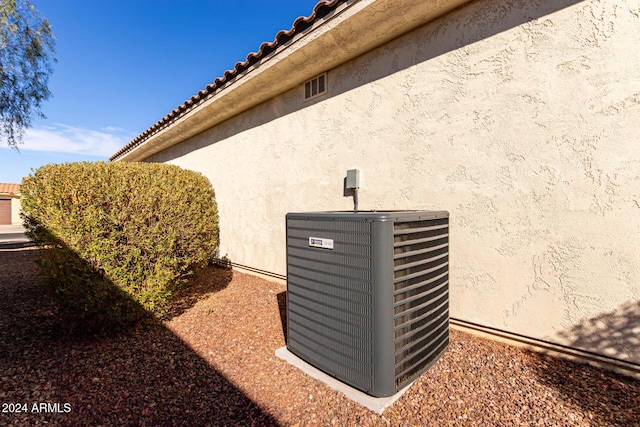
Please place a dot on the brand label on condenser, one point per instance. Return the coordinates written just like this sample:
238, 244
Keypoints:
318, 242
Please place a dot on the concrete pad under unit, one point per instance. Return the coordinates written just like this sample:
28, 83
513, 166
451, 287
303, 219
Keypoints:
376, 404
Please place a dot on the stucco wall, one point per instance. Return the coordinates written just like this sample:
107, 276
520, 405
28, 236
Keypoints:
16, 209
521, 118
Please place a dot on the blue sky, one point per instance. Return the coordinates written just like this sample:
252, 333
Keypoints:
125, 64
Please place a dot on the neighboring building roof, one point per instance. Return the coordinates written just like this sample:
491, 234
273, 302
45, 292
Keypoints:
320, 10
6, 188
342, 30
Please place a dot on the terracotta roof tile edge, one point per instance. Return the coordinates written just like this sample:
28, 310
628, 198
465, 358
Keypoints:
320, 10
9, 188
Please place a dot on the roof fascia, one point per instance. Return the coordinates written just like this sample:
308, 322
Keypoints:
329, 42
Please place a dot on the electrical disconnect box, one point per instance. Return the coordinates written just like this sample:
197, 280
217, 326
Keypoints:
368, 294
353, 179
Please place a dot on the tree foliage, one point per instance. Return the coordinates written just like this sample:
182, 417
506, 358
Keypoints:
27, 48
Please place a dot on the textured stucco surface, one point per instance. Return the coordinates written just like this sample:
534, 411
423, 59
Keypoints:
16, 208
521, 118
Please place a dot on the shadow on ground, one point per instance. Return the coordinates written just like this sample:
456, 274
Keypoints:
613, 334
282, 307
144, 376
6, 246
200, 285
610, 399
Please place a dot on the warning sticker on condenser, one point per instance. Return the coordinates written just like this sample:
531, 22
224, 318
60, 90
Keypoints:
318, 242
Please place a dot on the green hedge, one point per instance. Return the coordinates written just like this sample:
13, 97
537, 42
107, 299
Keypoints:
135, 229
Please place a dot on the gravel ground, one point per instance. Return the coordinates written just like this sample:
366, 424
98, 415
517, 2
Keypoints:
213, 363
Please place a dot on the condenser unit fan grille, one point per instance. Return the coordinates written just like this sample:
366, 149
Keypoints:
367, 294
421, 294
330, 306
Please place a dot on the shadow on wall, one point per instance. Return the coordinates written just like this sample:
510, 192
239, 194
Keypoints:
473, 22
615, 334
145, 375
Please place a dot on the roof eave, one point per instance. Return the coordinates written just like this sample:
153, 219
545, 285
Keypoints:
330, 41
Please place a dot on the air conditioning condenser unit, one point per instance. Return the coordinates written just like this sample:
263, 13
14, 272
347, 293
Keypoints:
368, 294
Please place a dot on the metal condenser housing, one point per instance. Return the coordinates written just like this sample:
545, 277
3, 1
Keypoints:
368, 294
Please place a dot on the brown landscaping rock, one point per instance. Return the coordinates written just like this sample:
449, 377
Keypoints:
213, 363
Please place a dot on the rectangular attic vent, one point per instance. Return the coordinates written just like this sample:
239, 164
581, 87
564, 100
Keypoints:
315, 87
373, 309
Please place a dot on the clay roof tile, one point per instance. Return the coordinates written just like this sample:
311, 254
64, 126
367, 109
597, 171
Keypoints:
320, 10
7, 188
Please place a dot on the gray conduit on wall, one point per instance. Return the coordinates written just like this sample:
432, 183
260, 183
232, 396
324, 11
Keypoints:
606, 362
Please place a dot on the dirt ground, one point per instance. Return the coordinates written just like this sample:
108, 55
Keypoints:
213, 364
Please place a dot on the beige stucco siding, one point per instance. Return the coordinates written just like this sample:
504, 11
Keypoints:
520, 118
16, 209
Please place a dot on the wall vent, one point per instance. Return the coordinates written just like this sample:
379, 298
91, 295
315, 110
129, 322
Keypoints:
315, 87
368, 294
